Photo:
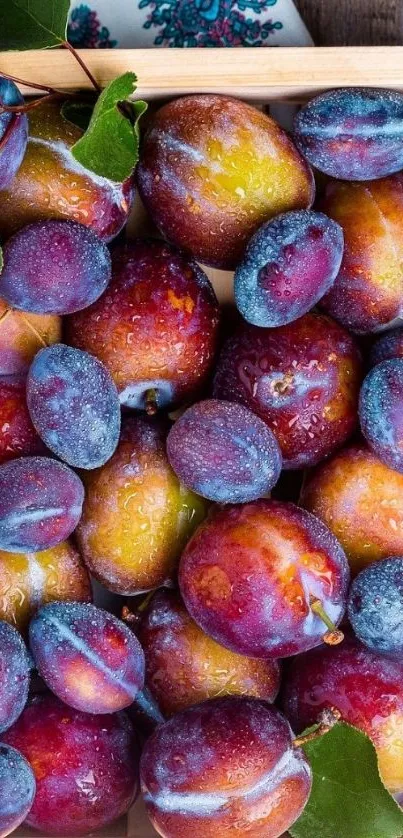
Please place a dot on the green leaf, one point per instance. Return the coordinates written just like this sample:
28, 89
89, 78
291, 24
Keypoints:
110, 146
348, 797
78, 113
33, 24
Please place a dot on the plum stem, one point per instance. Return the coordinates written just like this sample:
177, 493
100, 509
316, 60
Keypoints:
29, 106
327, 719
132, 618
26, 83
150, 402
332, 637
83, 65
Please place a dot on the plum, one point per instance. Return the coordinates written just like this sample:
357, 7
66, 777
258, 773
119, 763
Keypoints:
40, 504
54, 267
14, 676
185, 666
389, 345
30, 580
22, 334
86, 766
136, 515
17, 784
265, 579
224, 452
213, 169
367, 689
51, 184
381, 412
224, 767
360, 499
155, 328
302, 379
289, 264
375, 606
86, 656
352, 133
74, 405
368, 291
18, 436
13, 133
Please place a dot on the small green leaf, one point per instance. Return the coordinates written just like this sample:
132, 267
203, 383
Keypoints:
33, 24
110, 146
348, 797
78, 113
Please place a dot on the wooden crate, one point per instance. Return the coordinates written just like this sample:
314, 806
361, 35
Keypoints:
290, 74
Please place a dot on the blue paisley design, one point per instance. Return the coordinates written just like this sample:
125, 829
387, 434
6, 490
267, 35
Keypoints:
209, 23
85, 30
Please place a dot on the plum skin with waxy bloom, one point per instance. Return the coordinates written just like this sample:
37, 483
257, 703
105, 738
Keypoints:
88, 658
185, 666
30, 580
136, 515
250, 574
213, 169
50, 183
156, 326
352, 133
368, 291
222, 765
360, 499
302, 379
86, 766
365, 686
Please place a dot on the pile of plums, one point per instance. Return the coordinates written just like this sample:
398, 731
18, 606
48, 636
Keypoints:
213, 477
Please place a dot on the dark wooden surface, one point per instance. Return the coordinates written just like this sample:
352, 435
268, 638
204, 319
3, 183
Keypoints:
353, 22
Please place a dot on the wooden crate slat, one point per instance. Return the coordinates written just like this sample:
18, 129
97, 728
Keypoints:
256, 73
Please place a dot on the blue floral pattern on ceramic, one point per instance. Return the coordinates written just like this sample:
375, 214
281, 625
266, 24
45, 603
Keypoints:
209, 23
86, 30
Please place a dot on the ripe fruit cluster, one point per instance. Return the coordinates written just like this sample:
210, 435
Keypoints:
146, 454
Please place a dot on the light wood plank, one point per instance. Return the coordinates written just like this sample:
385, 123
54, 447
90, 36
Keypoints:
256, 73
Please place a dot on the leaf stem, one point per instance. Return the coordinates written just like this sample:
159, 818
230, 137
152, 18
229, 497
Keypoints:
82, 64
8, 131
333, 636
26, 83
327, 720
29, 106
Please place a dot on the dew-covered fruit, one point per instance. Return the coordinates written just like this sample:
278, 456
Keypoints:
263, 578
74, 405
381, 412
225, 453
17, 786
51, 184
40, 504
136, 515
185, 666
14, 677
224, 767
375, 606
360, 499
213, 169
368, 292
289, 264
86, 656
54, 267
389, 345
13, 133
22, 334
352, 133
86, 766
155, 328
302, 379
18, 436
366, 688
30, 580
